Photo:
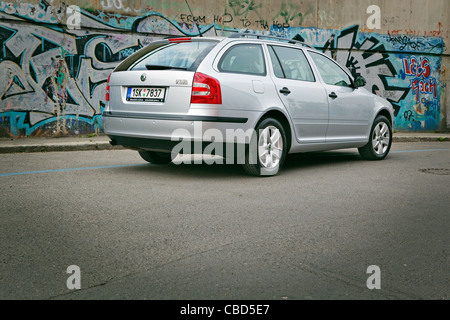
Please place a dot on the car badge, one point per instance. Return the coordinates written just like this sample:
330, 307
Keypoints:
181, 82
143, 77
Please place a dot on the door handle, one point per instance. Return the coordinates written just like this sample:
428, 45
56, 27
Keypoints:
333, 95
285, 91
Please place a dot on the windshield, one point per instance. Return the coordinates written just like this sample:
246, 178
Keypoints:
183, 55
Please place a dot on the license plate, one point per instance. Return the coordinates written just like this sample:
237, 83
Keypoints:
146, 94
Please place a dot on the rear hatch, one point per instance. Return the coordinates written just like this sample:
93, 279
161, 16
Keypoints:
158, 81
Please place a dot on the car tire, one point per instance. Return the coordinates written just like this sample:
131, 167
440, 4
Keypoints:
266, 152
156, 157
380, 141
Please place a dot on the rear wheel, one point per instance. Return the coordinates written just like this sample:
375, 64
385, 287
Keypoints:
266, 153
380, 141
156, 157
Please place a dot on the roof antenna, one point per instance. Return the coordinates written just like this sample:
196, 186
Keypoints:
189, 7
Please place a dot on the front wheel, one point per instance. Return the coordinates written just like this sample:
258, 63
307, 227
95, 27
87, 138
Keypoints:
266, 153
380, 141
156, 157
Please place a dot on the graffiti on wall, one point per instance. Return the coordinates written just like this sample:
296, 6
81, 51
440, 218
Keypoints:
53, 78
423, 111
390, 67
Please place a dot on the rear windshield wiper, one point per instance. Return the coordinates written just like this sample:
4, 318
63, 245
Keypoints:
156, 67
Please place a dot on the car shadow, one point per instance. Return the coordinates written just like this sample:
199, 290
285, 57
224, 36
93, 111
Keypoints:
204, 170
316, 159
197, 171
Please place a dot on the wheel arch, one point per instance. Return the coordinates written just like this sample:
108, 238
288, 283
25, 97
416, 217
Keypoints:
387, 114
281, 117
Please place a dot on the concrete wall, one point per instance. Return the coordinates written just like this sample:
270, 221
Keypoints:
56, 55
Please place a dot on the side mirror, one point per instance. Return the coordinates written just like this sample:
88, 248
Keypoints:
360, 82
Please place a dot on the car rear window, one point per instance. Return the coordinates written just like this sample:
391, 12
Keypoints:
181, 55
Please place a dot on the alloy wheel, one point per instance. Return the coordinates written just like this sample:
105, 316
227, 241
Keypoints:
270, 147
381, 138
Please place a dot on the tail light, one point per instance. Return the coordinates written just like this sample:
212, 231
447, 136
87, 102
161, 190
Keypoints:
206, 89
107, 89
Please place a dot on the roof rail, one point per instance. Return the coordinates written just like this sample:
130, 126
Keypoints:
261, 36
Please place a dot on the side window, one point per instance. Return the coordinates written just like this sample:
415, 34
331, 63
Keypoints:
243, 58
290, 63
331, 73
276, 64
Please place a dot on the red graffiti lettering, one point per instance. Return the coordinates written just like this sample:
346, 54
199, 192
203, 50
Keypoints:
427, 86
418, 69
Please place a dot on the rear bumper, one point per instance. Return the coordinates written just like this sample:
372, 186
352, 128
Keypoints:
164, 132
158, 145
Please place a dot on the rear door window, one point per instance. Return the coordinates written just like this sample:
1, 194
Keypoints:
177, 56
290, 63
244, 58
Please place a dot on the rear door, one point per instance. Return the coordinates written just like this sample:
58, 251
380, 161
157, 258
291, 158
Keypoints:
303, 96
161, 81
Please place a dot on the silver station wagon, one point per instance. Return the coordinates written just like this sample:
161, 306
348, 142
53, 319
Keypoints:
246, 99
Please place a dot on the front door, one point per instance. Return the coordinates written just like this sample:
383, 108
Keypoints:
348, 107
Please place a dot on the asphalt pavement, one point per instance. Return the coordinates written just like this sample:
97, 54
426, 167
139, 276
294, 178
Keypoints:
138, 231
